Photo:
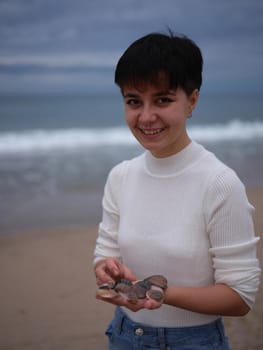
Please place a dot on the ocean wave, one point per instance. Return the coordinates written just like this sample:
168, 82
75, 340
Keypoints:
63, 139
69, 139
233, 130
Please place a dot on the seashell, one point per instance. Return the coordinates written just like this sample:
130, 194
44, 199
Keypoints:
107, 293
155, 293
122, 287
140, 289
108, 285
151, 287
124, 281
132, 296
157, 280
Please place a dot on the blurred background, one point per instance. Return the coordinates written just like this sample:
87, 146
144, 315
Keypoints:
61, 116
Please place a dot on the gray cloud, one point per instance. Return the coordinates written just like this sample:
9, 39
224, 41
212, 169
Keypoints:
49, 44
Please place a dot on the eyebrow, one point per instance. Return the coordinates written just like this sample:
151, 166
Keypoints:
165, 92
157, 94
130, 95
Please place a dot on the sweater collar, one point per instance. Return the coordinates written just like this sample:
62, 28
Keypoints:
173, 164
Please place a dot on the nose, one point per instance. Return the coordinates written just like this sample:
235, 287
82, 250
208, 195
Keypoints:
147, 114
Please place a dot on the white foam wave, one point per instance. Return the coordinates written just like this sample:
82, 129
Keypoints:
234, 130
46, 140
68, 139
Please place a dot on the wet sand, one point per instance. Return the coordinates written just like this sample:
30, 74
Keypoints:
47, 293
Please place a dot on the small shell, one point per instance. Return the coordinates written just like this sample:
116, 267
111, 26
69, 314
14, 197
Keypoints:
107, 293
124, 281
132, 296
122, 287
140, 289
157, 280
108, 285
106, 290
155, 294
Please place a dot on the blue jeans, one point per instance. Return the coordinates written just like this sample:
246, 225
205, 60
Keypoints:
127, 335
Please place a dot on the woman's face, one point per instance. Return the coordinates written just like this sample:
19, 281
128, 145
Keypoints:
157, 117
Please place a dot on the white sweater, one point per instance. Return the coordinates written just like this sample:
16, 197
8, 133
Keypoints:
186, 217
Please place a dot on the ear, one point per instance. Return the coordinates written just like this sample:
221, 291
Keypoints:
192, 101
193, 98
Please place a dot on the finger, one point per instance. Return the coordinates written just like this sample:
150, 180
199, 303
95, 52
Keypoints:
128, 274
152, 304
116, 300
120, 270
102, 276
114, 267
100, 282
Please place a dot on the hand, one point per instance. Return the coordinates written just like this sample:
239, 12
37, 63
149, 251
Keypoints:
111, 270
146, 303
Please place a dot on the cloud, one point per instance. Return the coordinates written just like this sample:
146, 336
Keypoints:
58, 82
67, 40
60, 60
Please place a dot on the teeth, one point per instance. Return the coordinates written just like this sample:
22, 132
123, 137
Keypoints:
151, 132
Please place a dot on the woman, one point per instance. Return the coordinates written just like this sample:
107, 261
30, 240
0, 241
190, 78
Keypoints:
175, 210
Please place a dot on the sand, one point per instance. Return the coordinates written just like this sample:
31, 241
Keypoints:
47, 291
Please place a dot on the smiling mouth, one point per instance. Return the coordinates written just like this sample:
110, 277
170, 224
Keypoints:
152, 131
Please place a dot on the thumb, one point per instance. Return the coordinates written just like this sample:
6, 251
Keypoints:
128, 274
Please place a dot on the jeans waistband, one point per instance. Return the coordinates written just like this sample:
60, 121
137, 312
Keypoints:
126, 325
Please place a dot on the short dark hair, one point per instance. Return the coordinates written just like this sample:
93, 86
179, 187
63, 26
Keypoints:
175, 58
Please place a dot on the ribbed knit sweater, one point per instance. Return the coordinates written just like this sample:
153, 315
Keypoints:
185, 216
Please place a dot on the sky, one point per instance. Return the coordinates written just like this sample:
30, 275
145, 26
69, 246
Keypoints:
65, 46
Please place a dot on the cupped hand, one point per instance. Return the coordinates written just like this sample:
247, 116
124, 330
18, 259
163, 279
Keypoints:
146, 303
111, 270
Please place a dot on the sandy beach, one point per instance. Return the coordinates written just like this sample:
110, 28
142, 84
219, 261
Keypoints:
47, 292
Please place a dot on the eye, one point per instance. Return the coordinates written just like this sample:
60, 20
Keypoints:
133, 102
164, 100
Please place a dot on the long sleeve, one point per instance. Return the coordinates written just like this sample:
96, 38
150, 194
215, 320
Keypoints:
231, 233
107, 241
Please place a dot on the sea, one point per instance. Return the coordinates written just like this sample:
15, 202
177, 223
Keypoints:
56, 152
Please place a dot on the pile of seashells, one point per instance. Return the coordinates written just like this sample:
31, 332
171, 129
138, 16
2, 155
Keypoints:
152, 287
